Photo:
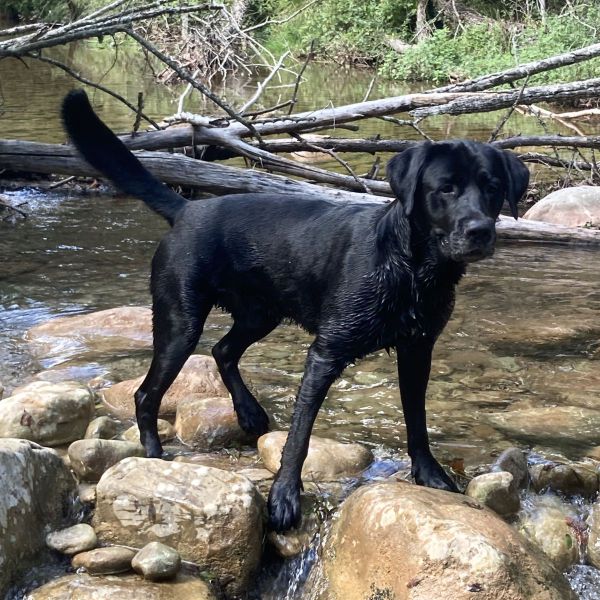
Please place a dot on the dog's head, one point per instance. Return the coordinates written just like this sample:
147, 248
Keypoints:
456, 189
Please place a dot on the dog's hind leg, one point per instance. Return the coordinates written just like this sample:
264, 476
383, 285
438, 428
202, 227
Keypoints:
177, 324
227, 352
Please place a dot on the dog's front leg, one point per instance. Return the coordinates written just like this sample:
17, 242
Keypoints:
414, 366
284, 498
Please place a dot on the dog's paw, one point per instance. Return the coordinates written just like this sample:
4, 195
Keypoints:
431, 474
284, 506
253, 419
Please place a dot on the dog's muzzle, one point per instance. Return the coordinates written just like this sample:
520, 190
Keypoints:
474, 241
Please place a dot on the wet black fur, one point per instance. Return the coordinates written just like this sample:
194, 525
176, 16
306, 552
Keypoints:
359, 277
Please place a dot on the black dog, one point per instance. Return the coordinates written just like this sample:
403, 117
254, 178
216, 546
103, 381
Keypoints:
359, 277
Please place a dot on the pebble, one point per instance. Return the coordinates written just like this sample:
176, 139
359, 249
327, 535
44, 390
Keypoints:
72, 540
105, 561
156, 561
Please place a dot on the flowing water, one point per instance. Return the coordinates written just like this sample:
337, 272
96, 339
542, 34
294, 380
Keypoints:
524, 335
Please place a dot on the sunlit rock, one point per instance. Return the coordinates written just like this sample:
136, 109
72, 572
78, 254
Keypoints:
572, 207
47, 413
36, 493
82, 586
209, 423
401, 541
199, 376
327, 459
157, 562
496, 491
72, 540
91, 458
105, 561
103, 428
210, 516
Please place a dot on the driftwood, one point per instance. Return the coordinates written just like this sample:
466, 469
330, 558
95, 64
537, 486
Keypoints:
221, 179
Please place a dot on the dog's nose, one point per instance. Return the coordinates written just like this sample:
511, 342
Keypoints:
480, 231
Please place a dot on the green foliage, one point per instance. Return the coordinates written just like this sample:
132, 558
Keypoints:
347, 31
37, 9
480, 49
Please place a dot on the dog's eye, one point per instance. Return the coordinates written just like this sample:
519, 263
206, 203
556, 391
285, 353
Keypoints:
447, 188
492, 187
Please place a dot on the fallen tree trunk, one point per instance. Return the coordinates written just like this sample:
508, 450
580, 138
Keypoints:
176, 169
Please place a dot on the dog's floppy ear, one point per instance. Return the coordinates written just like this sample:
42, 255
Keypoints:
404, 173
517, 179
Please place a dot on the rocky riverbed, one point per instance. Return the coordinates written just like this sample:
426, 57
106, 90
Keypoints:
84, 513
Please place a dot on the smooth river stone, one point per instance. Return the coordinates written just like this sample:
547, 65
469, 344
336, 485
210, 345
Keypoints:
156, 562
105, 561
72, 540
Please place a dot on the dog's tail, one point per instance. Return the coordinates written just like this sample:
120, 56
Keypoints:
105, 152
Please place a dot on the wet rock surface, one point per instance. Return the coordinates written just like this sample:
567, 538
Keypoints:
50, 414
75, 539
157, 562
82, 586
327, 459
199, 376
209, 423
166, 432
572, 478
104, 428
513, 461
496, 491
411, 542
91, 458
29, 473
211, 517
105, 561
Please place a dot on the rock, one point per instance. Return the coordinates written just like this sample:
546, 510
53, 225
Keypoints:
108, 331
570, 207
573, 478
37, 491
105, 561
593, 547
72, 540
87, 493
82, 586
166, 432
397, 540
50, 414
327, 459
513, 461
103, 428
209, 423
211, 517
550, 425
157, 562
552, 527
496, 491
295, 541
1, 390
198, 376
91, 458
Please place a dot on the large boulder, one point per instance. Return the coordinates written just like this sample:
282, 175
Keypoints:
51, 414
35, 496
82, 586
199, 377
327, 460
211, 517
397, 540
209, 423
104, 331
571, 207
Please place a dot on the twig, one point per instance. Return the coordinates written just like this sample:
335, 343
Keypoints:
370, 88
413, 124
294, 98
508, 114
281, 21
187, 90
138, 116
186, 76
64, 181
261, 86
333, 155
